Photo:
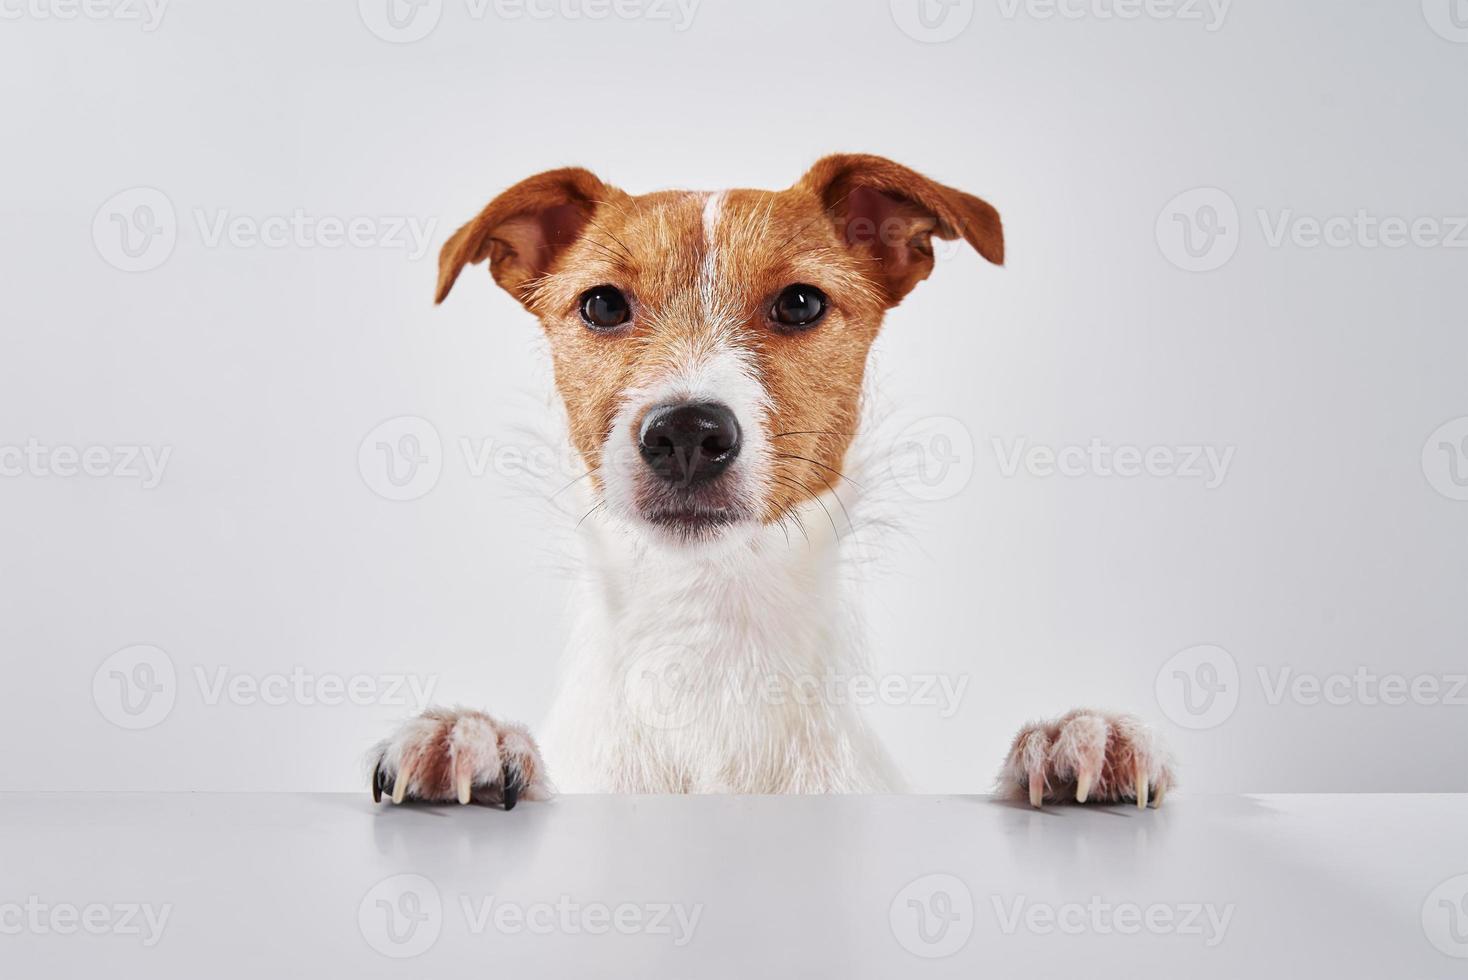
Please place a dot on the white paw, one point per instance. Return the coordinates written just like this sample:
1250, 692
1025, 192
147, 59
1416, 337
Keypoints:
1088, 757
445, 755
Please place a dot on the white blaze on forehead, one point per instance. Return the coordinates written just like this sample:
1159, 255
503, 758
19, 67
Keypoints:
713, 211
717, 368
709, 366
708, 278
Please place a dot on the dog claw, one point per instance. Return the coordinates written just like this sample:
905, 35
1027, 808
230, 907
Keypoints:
1083, 787
1141, 788
400, 787
377, 782
465, 787
512, 789
1157, 796
1037, 790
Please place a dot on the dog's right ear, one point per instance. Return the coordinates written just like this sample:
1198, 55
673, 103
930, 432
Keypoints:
524, 230
891, 214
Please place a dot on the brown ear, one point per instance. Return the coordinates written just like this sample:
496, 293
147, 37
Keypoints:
891, 213
524, 230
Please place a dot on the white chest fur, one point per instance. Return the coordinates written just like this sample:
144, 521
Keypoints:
709, 670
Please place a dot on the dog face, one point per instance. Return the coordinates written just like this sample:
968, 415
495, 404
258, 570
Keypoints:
710, 347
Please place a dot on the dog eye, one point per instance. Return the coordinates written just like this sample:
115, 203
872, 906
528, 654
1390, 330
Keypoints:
605, 308
799, 307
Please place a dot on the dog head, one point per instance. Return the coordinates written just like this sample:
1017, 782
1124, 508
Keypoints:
710, 347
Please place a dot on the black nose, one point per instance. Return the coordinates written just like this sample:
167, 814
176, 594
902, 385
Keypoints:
688, 444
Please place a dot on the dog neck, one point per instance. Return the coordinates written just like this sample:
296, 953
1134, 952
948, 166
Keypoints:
767, 595
706, 667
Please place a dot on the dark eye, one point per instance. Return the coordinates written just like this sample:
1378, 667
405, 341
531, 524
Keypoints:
605, 308
799, 307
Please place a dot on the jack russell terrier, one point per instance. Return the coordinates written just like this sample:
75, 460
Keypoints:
710, 350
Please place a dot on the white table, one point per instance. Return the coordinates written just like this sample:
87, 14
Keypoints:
332, 886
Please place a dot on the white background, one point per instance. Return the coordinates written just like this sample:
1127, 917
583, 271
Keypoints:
1333, 543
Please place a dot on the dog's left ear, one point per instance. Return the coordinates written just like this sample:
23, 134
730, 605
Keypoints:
525, 230
891, 214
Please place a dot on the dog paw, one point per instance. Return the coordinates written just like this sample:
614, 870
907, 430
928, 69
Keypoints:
1087, 757
445, 755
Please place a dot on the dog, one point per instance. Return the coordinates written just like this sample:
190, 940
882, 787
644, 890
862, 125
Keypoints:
710, 351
